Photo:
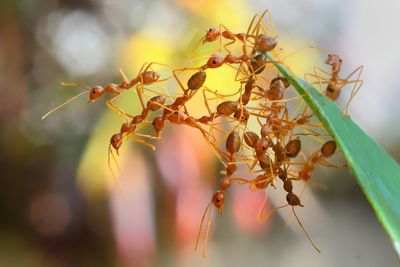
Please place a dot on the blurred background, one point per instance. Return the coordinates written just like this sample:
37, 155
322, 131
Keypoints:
59, 205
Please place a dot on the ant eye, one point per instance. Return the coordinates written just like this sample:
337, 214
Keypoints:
210, 30
93, 92
214, 62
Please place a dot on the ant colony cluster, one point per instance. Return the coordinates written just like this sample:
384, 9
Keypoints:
271, 153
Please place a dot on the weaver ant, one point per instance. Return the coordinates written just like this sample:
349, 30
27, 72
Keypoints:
334, 82
292, 200
144, 77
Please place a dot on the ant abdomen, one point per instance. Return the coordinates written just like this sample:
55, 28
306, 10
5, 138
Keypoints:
149, 77
197, 80
275, 91
250, 138
261, 146
293, 147
265, 162
155, 102
280, 152
293, 199
285, 81
233, 142
328, 148
265, 43
258, 63
332, 91
227, 108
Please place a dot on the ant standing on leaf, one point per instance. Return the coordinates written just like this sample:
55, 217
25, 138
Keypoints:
334, 82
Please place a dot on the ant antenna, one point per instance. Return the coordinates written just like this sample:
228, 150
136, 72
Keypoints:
110, 152
208, 208
305, 232
63, 104
69, 100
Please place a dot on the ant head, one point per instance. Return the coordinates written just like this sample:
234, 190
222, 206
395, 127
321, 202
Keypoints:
218, 201
215, 61
333, 59
116, 141
95, 92
211, 35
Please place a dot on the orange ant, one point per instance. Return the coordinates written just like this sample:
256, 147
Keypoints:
129, 128
144, 77
319, 156
335, 83
292, 200
218, 201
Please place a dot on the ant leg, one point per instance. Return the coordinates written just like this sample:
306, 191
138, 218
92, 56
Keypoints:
318, 69
261, 24
262, 217
271, 23
357, 85
160, 64
123, 76
329, 164
142, 142
218, 95
114, 107
250, 25
229, 44
315, 76
146, 135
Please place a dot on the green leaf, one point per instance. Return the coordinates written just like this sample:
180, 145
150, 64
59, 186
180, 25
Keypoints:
376, 171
